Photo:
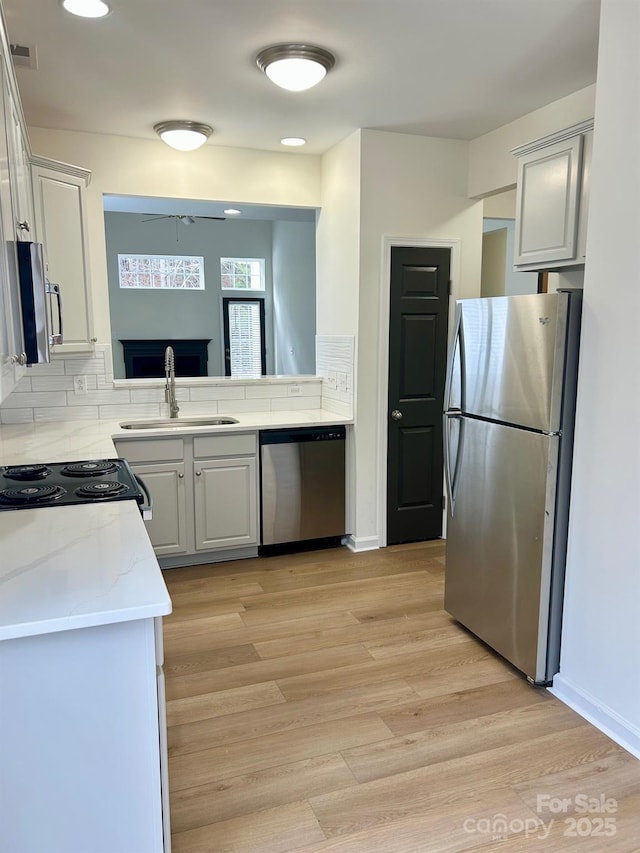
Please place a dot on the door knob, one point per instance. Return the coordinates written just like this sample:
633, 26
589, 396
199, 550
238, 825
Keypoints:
396, 414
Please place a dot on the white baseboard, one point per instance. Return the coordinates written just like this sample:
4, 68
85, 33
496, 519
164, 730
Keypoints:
362, 543
602, 717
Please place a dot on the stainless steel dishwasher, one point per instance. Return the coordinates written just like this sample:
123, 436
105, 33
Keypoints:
302, 484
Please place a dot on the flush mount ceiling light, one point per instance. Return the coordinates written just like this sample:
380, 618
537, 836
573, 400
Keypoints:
183, 135
295, 66
293, 141
232, 211
86, 8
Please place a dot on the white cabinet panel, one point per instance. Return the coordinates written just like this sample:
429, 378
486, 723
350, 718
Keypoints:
60, 224
168, 526
226, 506
552, 200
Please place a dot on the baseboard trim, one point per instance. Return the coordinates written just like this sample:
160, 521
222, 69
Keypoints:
624, 733
180, 560
362, 543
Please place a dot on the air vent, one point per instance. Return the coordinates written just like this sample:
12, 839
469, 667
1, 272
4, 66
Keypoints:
24, 56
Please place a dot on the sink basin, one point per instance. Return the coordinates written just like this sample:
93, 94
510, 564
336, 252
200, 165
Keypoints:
177, 423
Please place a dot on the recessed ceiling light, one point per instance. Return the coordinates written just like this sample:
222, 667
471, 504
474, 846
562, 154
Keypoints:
183, 135
293, 141
295, 66
232, 211
86, 8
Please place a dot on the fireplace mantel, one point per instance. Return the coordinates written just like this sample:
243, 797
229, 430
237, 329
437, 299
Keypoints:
144, 359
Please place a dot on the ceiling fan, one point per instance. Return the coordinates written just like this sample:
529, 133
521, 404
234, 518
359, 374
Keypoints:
186, 220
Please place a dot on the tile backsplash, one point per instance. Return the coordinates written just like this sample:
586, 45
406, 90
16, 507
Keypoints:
47, 393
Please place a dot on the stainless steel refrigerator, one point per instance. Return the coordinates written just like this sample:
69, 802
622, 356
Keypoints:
509, 417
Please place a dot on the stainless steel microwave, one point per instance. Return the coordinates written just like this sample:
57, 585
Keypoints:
41, 323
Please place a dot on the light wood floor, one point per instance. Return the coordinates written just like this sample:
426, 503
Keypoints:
326, 702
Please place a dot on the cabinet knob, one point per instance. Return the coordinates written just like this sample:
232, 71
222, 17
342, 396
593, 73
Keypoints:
181, 476
24, 225
94, 340
198, 473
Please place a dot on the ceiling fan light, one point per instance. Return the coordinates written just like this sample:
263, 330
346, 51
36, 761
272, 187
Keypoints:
295, 67
183, 135
86, 8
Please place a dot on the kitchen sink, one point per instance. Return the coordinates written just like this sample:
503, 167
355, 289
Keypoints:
177, 423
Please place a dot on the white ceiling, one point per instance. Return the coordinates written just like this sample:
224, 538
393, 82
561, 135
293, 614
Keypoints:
448, 68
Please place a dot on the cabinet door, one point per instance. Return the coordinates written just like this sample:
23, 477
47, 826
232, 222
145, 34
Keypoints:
167, 529
11, 339
226, 503
60, 224
547, 203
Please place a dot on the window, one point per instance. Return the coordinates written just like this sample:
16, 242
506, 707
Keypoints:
244, 348
161, 272
242, 273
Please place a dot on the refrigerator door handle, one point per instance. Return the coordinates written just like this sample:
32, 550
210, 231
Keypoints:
457, 345
451, 472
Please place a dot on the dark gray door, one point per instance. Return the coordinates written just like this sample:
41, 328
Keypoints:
419, 302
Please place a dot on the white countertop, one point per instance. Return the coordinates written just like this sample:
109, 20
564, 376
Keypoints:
80, 566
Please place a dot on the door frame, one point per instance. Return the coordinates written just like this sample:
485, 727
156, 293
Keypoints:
388, 243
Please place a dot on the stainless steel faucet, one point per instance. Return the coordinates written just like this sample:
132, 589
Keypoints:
170, 382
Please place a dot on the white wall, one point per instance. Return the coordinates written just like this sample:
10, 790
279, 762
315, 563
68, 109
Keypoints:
338, 240
415, 188
492, 167
515, 283
601, 635
123, 166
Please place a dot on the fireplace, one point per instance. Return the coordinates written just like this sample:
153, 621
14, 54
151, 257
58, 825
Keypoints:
145, 359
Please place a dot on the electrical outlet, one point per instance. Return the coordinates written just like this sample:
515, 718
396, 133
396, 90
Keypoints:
293, 390
80, 385
332, 380
343, 383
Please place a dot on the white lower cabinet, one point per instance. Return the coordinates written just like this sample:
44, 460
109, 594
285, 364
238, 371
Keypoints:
205, 495
168, 527
225, 503
80, 742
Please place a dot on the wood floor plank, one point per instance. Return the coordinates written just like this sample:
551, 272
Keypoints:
258, 790
337, 705
490, 670
198, 609
198, 635
377, 671
445, 741
221, 703
398, 796
476, 702
272, 831
451, 828
246, 756
253, 673
209, 659
360, 631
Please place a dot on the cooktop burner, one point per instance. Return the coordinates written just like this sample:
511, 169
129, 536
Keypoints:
26, 472
94, 468
65, 483
32, 494
104, 489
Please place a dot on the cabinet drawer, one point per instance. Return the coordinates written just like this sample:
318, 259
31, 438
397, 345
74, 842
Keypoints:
224, 445
151, 450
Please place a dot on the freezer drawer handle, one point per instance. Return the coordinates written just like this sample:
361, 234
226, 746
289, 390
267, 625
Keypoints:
396, 414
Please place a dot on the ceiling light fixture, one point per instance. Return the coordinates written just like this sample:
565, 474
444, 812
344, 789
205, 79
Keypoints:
232, 211
295, 66
183, 135
86, 8
293, 141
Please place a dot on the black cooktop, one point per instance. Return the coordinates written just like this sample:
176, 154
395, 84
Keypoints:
64, 483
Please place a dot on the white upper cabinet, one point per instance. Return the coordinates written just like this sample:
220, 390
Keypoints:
61, 225
552, 199
15, 203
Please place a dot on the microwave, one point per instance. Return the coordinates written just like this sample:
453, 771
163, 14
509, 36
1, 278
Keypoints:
41, 321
